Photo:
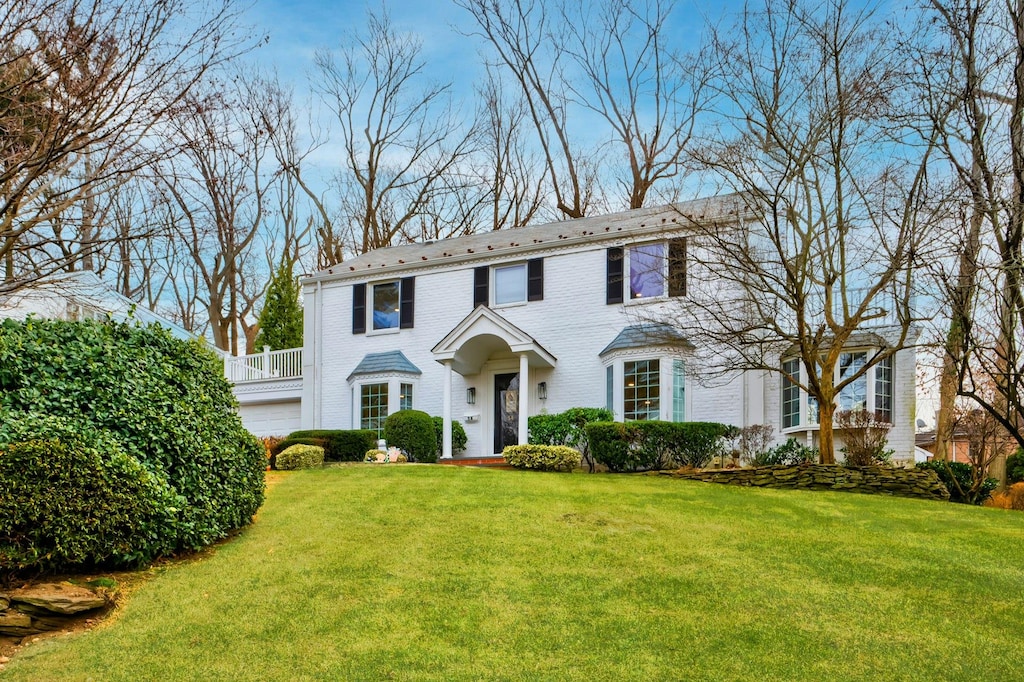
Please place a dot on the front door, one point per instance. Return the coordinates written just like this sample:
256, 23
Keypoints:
506, 410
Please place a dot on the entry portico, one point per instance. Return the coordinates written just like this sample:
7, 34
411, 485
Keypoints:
485, 348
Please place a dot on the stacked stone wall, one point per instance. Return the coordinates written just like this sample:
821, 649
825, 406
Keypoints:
870, 480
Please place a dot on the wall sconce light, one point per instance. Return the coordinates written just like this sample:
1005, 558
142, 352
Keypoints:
542, 390
471, 395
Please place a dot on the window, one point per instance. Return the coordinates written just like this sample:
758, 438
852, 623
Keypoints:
790, 394
855, 395
609, 388
510, 284
405, 397
641, 390
653, 270
373, 407
678, 392
391, 305
883, 389
385, 306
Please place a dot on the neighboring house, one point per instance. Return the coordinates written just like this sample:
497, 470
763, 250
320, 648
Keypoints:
491, 328
79, 296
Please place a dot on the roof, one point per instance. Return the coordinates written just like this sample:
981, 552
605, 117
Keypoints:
624, 226
645, 336
380, 363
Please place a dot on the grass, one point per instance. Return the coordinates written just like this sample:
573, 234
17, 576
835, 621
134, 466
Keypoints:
446, 573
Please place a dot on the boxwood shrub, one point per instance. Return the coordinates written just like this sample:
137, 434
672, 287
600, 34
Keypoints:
959, 479
300, 457
459, 438
412, 431
339, 445
165, 401
542, 457
70, 498
637, 446
567, 428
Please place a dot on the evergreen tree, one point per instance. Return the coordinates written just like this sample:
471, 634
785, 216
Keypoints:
281, 318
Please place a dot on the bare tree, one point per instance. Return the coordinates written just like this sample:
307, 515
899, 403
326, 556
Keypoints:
401, 139
83, 84
831, 230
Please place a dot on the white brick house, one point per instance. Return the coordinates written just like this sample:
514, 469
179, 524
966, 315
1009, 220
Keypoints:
490, 328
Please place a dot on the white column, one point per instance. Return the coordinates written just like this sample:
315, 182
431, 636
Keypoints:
446, 412
524, 398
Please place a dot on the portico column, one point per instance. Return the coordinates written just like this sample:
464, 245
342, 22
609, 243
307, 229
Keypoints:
524, 398
446, 412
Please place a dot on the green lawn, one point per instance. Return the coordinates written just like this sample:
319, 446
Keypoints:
446, 573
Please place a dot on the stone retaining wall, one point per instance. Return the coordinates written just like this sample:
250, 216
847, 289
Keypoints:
870, 480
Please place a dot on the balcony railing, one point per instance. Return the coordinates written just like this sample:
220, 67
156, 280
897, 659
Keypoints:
270, 364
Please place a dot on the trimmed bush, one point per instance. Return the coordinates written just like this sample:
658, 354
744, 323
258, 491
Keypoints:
300, 457
459, 438
340, 445
542, 457
165, 400
958, 477
413, 432
637, 446
1015, 467
567, 428
70, 498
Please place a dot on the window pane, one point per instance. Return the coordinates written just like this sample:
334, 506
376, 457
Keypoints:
883, 389
609, 387
405, 399
374, 407
678, 392
642, 391
385, 305
647, 271
790, 394
854, 396
510, 284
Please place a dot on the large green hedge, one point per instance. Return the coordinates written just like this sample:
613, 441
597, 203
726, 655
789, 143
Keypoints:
71, 498
567, 428
163, 399
636, 446
339, 445
413, 432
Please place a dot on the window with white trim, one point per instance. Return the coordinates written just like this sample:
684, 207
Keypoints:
790, 393
642, 390
385, 305
373, 407
510, 284
871, 390
646, 271
678, 391
405, 397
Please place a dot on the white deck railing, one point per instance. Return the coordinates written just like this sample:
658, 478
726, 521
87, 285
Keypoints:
270, 364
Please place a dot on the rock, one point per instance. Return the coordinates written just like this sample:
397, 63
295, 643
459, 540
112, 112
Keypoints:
18, 624
5, 601
62, 598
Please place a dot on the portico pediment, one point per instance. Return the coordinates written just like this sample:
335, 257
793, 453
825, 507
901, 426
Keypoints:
482, 334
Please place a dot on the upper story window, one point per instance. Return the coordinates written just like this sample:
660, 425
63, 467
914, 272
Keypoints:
508, 284
646, 271
391, 305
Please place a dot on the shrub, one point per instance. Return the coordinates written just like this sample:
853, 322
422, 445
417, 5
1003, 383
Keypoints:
790, 453
567, 428
1011, 498
283, 445
612, 444
864, 437
637, 446
300, 457
961, 481
459, 438
165, 400
340, 445
542, 457
412, 431
695, 443
755, 441
1015, 467
71, 498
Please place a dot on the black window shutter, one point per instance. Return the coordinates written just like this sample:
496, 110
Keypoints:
535, 279
481, 277
614, 279
407, 299
677, 267
358, 308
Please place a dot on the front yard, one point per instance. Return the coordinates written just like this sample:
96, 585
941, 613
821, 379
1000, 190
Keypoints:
451, 573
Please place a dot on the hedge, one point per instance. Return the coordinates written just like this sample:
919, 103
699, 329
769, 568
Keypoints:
459, 438
165, 400
300, 457
647, 445
542, 457
413, 432
70, 498
567, 428
958, 477
339, 445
